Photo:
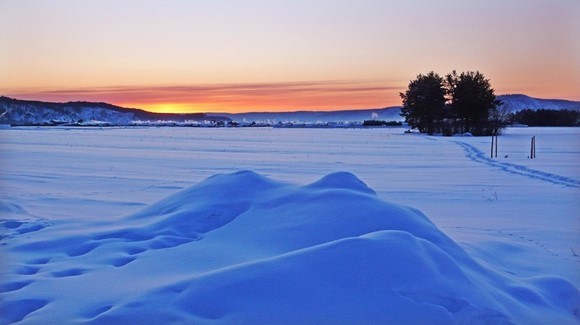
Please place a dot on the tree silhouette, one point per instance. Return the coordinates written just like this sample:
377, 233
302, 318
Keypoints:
472, 102
424, 102
459, 103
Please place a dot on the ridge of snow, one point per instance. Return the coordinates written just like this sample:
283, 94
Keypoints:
242, 248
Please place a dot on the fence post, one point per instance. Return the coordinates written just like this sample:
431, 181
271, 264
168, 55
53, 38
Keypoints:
493, 143
533, 148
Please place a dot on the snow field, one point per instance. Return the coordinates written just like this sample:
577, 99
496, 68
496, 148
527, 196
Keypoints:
80, 216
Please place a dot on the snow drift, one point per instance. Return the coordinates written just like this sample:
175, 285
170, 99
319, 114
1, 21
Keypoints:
242, 248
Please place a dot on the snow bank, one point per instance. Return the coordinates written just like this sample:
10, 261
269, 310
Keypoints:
242, 248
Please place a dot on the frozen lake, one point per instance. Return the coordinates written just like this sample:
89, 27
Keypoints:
519, 215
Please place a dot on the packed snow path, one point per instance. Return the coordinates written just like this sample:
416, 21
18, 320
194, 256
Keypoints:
478, 156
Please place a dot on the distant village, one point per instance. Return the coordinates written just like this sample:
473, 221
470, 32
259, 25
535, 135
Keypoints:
235, 124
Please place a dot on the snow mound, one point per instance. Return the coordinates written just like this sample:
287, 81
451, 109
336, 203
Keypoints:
342, 180
14, 221
242, 248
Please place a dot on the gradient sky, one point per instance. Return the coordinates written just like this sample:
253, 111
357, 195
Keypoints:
269, 55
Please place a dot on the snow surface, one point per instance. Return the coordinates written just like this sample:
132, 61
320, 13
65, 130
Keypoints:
126, 225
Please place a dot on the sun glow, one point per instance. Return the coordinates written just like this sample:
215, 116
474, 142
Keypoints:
166, 107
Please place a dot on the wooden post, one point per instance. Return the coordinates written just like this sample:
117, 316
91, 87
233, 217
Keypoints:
533, 148
493, 145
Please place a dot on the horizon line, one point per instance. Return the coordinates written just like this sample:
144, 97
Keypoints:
233, 98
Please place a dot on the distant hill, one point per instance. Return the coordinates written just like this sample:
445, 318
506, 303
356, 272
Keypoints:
514, 103
388, 114
28, 112
518, 102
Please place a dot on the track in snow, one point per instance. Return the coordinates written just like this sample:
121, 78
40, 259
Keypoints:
477, 155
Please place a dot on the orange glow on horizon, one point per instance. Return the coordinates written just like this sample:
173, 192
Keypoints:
248, 97
184, 108
232, 98
165, 107
257, 106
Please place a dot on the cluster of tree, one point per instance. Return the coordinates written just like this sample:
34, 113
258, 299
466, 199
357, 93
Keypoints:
381, 123
456, 103
546, 117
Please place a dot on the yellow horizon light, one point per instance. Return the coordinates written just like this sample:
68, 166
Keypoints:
166, 107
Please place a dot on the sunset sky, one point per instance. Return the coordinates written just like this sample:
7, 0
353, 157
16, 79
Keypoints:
270, 55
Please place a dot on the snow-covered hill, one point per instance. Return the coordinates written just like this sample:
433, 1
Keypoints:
518, 102
26, 112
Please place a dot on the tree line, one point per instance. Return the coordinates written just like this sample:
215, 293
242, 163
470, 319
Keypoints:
455, 103
546, 117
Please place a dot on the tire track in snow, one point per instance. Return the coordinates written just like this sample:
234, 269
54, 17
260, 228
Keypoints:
478, 156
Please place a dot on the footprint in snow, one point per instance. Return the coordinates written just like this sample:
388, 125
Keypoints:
13, 286
16, 310
69, 272
122, 261
98, 311
28, 270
